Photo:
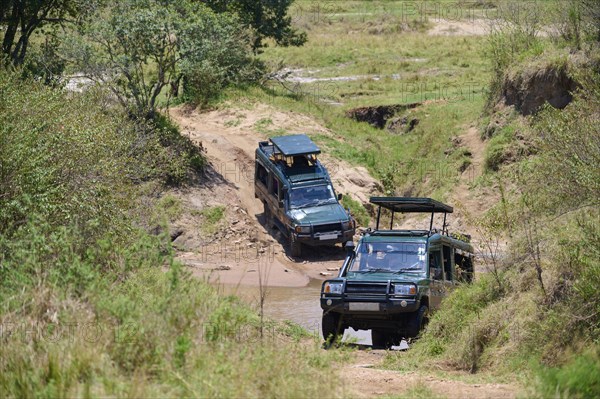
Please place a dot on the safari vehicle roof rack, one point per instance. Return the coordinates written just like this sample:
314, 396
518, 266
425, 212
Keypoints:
411, 205
295, 145
411, 233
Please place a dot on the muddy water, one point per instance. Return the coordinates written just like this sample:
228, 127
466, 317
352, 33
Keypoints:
297, 304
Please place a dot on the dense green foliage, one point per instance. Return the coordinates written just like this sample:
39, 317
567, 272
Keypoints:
268, 19
139, 47
578, 379
90, 303
21, 18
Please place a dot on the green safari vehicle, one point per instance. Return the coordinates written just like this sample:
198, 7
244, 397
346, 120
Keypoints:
392, 279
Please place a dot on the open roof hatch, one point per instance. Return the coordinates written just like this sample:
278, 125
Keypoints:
411, 205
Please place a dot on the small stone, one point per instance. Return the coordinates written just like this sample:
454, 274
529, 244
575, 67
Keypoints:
325, 274
333, 269
223, 267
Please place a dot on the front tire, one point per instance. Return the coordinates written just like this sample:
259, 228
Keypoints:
381, 339
331, 326
417, 322
295, 246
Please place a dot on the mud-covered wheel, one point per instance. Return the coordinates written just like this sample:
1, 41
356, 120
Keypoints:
381, 339
417, 322
331, 326
267, 215
295, 246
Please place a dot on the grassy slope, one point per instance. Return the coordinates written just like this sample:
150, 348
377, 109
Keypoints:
91, 304
448, 73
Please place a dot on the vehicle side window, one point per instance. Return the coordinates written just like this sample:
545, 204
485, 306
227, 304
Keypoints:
464, 267
261, 174
448, 252
275, 187
435, 264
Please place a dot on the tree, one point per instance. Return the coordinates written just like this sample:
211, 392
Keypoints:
137, 47
22, 17
268, 18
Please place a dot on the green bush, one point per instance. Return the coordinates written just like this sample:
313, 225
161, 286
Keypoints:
576, 379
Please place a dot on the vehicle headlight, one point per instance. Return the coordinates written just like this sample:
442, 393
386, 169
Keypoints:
405, 289
303, 229
333, 288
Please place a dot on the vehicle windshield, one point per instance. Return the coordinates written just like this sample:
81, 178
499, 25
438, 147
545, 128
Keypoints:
311, 196
389, 257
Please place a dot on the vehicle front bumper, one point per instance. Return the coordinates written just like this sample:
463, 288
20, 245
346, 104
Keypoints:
326, 238
386, 305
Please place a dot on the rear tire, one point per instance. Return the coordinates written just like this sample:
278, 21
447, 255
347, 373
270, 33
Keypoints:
332, 327
295, 246
417, 322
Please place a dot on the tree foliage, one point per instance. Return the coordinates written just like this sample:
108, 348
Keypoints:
268, 18
137, 47
22, 17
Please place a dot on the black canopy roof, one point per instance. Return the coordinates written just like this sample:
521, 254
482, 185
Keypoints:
411, 204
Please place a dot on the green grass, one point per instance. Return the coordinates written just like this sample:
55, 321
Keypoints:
212, 218
357, 210
576, 379
418, 391
408, 164
448, 74
171, 207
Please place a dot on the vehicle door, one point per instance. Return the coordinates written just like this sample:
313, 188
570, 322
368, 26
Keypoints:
436, 278
275, 199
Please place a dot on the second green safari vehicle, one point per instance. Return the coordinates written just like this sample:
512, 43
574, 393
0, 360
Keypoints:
392, 279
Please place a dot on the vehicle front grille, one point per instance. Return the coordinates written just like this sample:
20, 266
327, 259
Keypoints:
354, 288
325, 228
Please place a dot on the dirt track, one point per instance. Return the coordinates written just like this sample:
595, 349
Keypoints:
365, 380
245, 251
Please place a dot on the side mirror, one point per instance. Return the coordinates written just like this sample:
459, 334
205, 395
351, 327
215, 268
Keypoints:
280, 204
350, 247
339, 197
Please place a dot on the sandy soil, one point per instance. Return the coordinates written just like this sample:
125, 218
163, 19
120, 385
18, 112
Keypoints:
364, 379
